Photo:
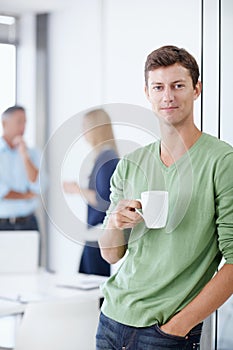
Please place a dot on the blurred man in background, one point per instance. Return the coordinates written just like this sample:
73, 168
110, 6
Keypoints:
19, 180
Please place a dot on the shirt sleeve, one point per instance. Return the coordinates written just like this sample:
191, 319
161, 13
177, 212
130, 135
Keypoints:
224, 206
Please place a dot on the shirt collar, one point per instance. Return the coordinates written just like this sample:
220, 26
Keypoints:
3, 144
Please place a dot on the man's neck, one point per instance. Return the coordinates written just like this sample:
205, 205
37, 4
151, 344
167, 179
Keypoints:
8, 141
175, 143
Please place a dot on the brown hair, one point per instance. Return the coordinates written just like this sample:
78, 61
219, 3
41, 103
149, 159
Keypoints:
169, 55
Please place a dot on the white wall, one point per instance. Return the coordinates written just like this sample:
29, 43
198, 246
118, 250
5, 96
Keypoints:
75, 60
75, 84
97, 55
132, 29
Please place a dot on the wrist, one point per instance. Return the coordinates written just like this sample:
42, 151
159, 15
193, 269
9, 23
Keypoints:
112, 225
77, 189
177, 326
24, 155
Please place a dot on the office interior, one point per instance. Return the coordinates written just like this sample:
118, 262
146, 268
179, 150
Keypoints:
73, 55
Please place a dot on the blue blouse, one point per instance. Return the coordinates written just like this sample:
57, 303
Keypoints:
105, 164
99, 181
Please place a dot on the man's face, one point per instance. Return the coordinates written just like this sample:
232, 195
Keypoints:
14, 125
171, 93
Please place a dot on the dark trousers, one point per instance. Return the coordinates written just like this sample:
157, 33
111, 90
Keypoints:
92, 261
28, 223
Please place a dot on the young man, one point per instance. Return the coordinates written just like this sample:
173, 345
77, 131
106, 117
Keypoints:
164, 289
19, 183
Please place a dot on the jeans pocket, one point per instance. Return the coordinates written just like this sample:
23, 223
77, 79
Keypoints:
195, 336
196, 331
167, 335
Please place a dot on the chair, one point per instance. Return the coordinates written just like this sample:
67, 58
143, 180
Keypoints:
19, 251
59, 324
8, 327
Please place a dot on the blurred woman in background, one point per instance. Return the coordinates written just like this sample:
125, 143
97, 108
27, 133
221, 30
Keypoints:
98, 133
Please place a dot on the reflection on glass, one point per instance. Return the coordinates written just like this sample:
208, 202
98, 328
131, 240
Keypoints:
225, 313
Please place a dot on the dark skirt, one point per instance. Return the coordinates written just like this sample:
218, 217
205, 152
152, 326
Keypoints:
92, 261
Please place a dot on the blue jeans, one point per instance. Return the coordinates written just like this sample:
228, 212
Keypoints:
112, 335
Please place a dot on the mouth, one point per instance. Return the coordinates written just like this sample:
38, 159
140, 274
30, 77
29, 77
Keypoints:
169, 109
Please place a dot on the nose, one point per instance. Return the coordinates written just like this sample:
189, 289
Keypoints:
168, 95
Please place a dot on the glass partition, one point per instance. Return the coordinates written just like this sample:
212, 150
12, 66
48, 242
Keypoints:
225, 313
226, 71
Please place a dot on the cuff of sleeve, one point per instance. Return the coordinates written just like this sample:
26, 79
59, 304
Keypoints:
34, 187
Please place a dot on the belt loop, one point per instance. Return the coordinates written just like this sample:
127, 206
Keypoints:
12, 220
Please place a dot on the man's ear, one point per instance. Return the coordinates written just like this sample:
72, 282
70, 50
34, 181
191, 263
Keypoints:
146, 92
3, 123
197, 90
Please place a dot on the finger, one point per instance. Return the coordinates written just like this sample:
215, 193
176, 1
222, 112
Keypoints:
129, 204
128, 217
131, 214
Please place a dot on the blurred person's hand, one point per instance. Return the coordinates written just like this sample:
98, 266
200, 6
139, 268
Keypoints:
20, 144
30, 195
71, 187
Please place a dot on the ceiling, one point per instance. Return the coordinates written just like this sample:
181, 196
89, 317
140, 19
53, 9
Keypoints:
15, 7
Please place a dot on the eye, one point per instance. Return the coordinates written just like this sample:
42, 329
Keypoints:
179, 86
157, 88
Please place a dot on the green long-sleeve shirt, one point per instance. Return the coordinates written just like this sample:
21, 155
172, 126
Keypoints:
164, 269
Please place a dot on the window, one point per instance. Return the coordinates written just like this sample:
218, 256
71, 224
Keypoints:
8, 75
7, 62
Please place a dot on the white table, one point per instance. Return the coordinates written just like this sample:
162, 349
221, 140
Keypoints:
17, 290
42, 285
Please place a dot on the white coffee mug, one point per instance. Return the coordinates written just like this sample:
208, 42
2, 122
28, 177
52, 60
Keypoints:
154, 208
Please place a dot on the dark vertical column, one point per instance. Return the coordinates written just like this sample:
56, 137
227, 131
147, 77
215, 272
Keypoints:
41, 79
42, 99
